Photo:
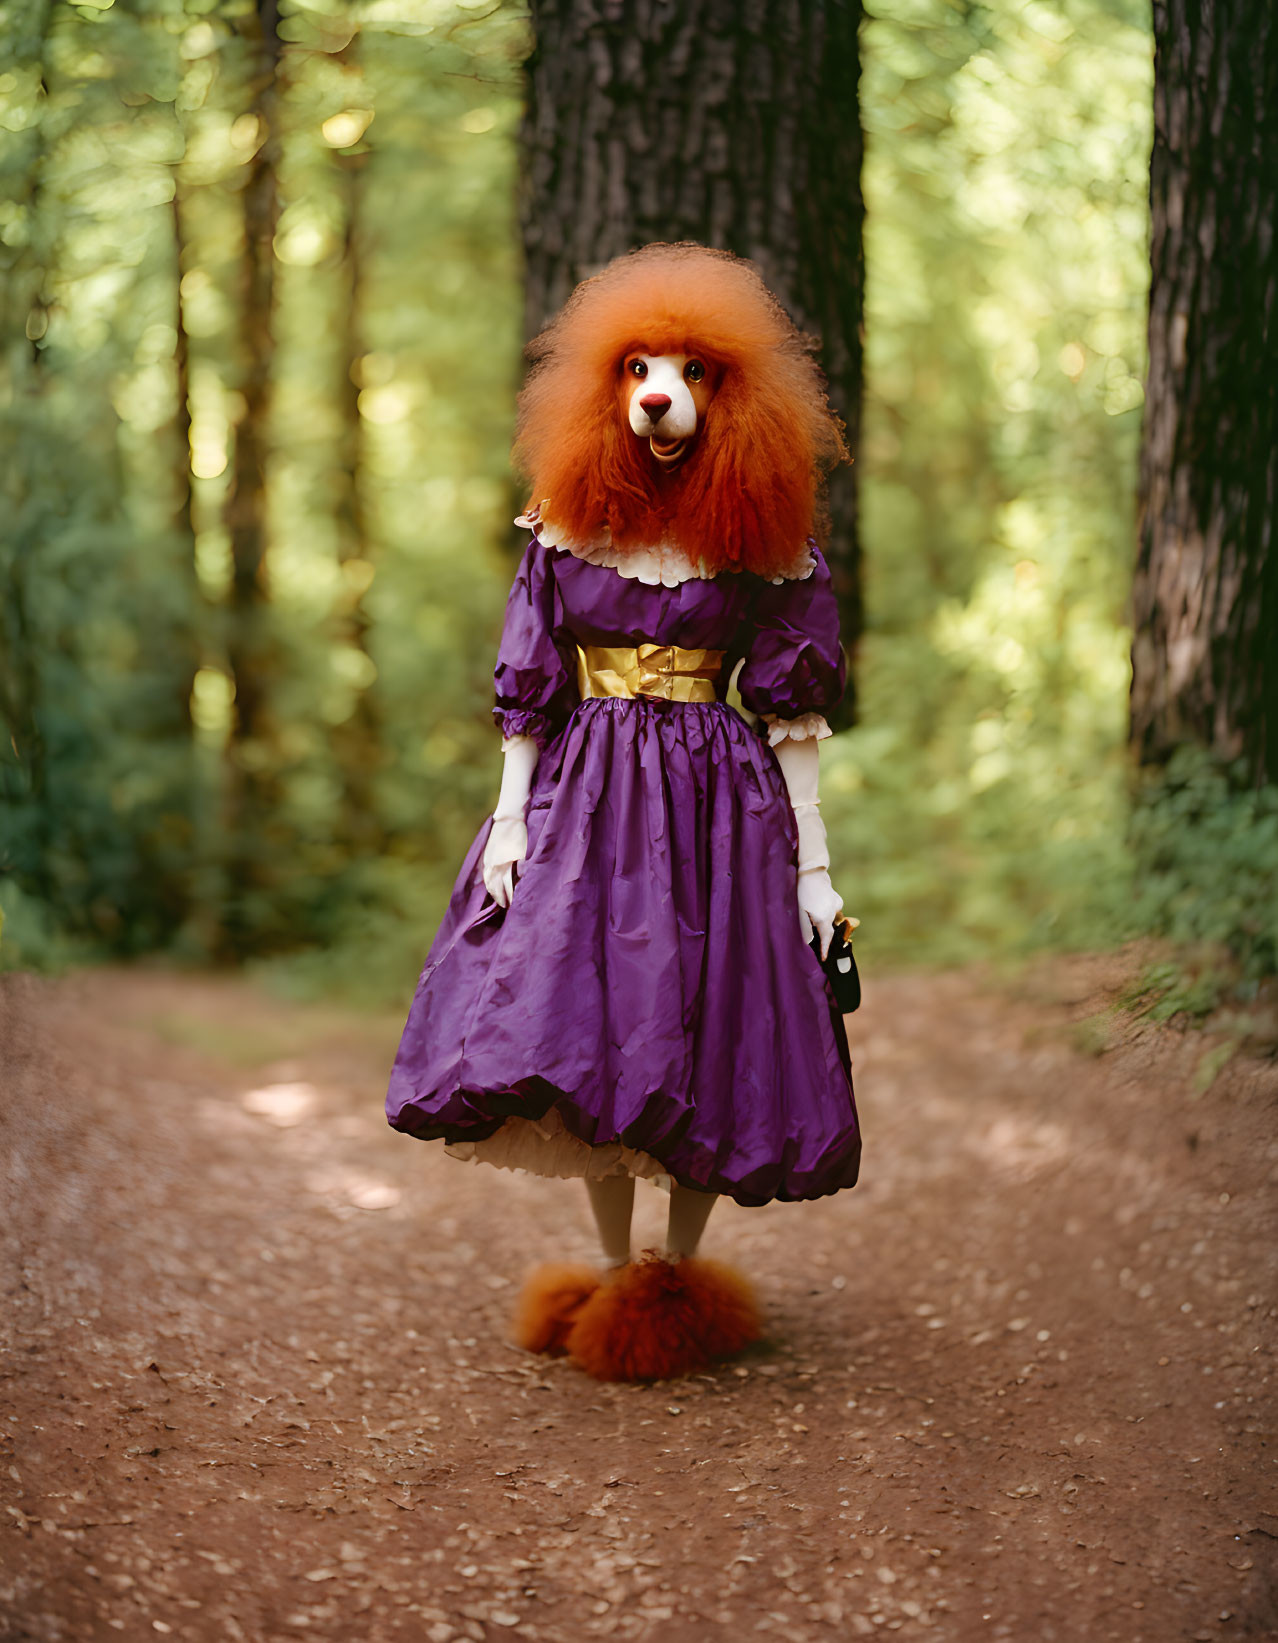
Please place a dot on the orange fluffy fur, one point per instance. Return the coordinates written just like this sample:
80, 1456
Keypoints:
656, 1320
548, 1306
746, 496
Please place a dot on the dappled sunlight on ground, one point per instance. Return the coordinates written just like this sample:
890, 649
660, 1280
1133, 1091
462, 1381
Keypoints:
1015, 1385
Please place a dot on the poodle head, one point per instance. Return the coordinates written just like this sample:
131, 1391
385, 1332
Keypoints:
674, 402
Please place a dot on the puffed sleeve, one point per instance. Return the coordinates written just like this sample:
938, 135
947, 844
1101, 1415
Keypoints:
794, 669
536, 676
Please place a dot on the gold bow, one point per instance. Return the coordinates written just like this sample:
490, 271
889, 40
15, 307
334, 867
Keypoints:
665, 671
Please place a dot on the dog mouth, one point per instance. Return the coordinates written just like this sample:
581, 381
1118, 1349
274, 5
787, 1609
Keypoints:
668, 451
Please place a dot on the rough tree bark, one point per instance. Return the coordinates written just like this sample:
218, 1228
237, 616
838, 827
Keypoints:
730, 122
1205, 606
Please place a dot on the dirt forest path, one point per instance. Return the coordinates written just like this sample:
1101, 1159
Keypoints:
256, 1384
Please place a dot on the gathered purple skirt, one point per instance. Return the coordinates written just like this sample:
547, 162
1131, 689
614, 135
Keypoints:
650, 979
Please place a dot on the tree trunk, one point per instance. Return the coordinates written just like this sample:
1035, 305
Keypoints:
356, 743
252, 783
730, 122
1205, 656
22, 319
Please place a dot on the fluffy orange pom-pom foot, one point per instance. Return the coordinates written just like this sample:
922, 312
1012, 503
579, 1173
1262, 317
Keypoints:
658, 1319
548, 1306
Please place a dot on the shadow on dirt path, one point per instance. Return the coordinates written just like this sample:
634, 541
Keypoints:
256, 1384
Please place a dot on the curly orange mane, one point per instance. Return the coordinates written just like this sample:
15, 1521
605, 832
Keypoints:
746, 497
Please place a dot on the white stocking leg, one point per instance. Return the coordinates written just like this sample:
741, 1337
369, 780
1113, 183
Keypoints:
612, 1201
689, 1212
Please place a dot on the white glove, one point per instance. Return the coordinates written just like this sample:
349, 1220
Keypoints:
819, 905
508, 841
506, 848
819, 902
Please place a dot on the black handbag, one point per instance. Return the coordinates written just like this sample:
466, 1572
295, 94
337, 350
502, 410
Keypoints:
840, 966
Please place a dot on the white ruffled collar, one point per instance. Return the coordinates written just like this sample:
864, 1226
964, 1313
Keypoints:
663, 565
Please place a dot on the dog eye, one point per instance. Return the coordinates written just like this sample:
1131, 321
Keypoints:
694, 371
637, 368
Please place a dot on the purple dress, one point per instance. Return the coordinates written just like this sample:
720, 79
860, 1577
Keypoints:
649, 980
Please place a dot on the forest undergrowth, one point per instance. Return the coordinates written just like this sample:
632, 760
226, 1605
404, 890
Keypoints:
984, 807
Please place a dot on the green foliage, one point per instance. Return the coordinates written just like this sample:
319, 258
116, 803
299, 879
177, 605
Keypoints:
980, 806
128, 138
1206, 844
1173, 988
31, 937
94, 564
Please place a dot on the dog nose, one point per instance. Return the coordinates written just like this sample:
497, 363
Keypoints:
656, 405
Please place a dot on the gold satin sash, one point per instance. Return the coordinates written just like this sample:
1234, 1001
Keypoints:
664, 671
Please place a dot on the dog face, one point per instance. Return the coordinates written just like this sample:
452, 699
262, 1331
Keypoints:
664, 398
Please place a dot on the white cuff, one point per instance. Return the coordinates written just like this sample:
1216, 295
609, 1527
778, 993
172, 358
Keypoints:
807, 727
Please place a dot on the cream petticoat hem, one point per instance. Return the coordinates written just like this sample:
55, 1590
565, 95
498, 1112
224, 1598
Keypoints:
543, 1146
